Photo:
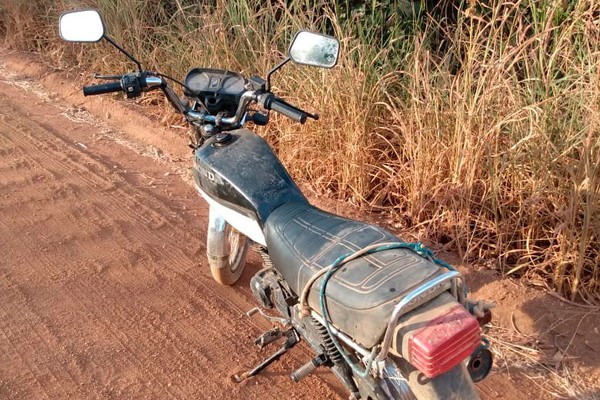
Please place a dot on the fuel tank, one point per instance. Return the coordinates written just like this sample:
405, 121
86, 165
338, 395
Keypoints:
244, 175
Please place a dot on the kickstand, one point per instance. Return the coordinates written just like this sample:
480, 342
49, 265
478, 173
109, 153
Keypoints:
291, 341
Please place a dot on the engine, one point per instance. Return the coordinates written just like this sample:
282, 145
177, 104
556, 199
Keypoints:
272, 292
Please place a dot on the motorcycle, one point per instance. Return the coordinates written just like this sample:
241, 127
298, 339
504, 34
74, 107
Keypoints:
388, 318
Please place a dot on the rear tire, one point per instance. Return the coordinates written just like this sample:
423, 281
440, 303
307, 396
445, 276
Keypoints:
226, 250
455, 384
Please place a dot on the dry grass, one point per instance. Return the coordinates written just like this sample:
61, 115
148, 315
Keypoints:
543, 365
481, 132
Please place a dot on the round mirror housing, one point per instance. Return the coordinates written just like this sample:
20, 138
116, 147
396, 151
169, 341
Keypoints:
314, 49
81, 26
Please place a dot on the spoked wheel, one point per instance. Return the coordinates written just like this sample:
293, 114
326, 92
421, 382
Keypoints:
226, 250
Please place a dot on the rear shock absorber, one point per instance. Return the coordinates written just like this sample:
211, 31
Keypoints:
340, 368
330, 350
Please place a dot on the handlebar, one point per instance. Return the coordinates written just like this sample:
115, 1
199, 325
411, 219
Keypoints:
133, 85
136, 83
268, 101
271, 102
101, 89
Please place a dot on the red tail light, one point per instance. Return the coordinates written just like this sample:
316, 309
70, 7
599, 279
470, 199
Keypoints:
444, 342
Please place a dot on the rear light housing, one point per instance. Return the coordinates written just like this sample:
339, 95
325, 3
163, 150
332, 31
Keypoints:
443, 342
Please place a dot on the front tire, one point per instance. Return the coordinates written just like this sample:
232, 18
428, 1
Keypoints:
226, 249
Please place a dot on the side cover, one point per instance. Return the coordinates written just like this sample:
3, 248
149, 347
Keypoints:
244, 175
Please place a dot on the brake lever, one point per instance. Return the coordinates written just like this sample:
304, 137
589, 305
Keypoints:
107, 77
309, 115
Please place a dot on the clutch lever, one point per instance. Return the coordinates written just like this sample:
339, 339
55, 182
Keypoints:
313, 116
309, 115
107, 77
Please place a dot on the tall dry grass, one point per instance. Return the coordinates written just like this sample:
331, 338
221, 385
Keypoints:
478, 129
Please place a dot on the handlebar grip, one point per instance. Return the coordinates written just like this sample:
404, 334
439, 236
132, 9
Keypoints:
270, 102
101, 89
289, 111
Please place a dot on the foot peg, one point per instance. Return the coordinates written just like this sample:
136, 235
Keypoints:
308, 368
291, 341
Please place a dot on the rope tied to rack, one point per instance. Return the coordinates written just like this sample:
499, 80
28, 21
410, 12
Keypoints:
328, 271
418, 248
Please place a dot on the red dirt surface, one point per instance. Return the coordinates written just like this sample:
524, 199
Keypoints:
104, 287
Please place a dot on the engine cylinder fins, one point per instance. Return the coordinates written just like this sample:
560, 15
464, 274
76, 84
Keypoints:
261, 291
261, 287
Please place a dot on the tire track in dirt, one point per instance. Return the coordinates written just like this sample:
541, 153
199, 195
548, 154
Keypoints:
12, 354
30, 324
78, 296
102, 275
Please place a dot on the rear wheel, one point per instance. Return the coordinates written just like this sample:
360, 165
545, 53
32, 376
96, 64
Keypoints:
455, 384
226, 250
401, 381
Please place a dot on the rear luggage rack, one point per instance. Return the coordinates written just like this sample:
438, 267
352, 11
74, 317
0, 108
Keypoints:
452, 280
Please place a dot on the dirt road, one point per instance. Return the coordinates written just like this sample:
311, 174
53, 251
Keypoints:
103, 284
104, 287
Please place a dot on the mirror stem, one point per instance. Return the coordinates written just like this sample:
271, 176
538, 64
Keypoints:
122, 50
281, 64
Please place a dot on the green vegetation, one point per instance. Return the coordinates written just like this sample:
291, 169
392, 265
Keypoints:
478, 128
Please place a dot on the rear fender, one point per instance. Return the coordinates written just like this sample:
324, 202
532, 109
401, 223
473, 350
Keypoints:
455, 384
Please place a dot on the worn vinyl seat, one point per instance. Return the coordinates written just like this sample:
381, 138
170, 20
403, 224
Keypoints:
361, 296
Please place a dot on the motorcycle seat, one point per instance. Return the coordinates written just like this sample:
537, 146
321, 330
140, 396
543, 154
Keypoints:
361, 295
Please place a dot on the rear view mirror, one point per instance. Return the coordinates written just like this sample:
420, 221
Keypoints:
314, 49
81, 26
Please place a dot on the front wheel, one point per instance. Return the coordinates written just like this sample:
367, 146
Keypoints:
226, 250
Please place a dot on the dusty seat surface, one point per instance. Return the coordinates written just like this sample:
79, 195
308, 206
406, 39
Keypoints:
361, 296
